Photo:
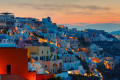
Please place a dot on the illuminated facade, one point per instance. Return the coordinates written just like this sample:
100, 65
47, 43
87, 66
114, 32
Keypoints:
40, 53
15, 61
14, 66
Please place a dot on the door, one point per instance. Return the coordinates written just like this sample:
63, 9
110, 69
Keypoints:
8, 69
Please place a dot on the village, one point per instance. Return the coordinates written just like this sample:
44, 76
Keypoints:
33, 49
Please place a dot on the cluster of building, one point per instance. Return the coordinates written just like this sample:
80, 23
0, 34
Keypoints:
37, 50
117, 36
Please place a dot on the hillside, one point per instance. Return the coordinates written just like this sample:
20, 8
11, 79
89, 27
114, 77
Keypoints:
116, 32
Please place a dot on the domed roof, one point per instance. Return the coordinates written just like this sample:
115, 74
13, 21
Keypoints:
48, 17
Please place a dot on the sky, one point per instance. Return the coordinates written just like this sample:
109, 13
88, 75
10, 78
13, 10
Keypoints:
66, 11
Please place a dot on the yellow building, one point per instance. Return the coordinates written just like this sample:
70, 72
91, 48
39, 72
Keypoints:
39, 52
47, 59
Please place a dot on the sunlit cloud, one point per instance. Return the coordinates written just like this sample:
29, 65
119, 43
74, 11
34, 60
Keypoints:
81, 13
66, 11
62, 7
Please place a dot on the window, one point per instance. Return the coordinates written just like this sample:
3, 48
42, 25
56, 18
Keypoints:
65, 60
42, 52
47, 58
47, 52
40, 58
53, 70
54, 57
24, 45
36, 58
45, 66
4, 41
44, 58
7, 40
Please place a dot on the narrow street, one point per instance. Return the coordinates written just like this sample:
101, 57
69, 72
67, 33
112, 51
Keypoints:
101, 77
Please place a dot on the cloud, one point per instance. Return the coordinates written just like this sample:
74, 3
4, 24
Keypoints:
115, 22
39, 6
81, 13
88, 13
57, 7
90, 7
66, 9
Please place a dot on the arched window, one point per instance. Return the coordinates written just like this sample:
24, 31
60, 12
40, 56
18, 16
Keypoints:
53, 70
44, 58
47, 58
4, 41
40, 58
